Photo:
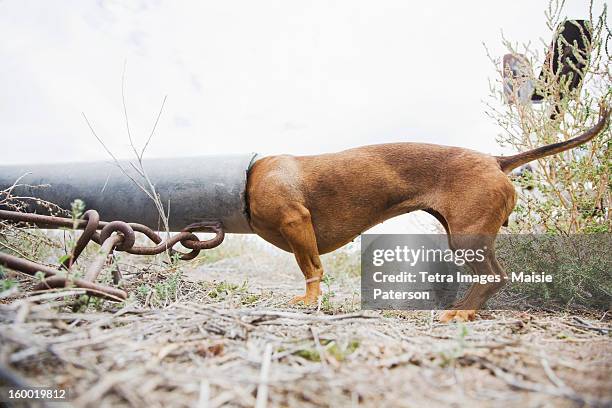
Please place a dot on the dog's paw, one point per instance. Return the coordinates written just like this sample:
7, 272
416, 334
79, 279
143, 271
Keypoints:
458, 315
305, 300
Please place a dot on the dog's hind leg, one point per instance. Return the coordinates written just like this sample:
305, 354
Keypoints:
477, 238
476, 296
465, 309
474, 220
297, 229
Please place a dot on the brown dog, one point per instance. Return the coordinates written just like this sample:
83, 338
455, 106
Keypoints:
310, 205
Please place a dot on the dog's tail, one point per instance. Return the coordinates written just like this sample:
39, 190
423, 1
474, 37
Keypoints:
508, 163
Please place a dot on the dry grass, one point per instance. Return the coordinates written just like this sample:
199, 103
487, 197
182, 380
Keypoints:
221, 333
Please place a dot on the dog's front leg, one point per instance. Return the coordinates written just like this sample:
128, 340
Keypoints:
298, 231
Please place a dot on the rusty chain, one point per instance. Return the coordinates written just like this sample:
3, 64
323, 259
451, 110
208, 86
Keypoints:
112, 236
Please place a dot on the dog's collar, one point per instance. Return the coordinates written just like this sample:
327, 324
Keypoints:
315, 279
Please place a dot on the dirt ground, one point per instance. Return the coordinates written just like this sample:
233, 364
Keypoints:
221, 333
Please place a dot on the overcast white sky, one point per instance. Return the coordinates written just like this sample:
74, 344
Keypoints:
298, 77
